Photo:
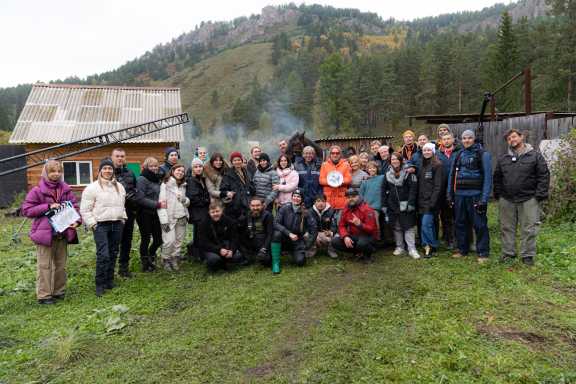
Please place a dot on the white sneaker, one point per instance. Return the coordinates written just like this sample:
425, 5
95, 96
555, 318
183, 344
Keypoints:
414, 254
398, 251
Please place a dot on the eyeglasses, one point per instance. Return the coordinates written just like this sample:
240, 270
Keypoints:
334, 153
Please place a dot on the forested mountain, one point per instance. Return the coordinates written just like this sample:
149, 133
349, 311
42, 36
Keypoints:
342, 70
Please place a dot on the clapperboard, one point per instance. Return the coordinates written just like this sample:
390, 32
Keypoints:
63, 217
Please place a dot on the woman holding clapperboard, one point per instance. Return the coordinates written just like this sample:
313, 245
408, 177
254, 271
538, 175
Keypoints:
51, 196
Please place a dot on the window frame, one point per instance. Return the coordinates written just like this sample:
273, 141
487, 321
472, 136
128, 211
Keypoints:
77, 164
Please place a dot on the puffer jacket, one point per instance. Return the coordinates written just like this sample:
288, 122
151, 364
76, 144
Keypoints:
326, 220
336, 196
288, 183
431, 185
176, 202
197, 193
148, 191
263, 181
299, 223
37, 204
518, 177
309, 180
103, 200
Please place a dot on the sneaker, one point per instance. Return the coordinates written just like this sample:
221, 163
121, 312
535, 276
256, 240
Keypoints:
414, 254
457, 255
332, 253
167, 266
427, 252
482, 260
528, 261
398, 251
47, 301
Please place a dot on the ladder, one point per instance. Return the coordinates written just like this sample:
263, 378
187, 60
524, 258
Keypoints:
61, 151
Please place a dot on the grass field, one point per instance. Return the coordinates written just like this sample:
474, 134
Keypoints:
397, 320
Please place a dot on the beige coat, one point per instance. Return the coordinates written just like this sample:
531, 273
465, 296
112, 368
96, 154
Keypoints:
176, 201
103, 200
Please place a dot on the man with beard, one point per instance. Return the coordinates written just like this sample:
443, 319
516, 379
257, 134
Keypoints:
446, 154
294, 229
256, 233
252, 164
521, 182
357, 228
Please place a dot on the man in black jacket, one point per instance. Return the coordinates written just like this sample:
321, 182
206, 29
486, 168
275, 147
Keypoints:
199, 196
218, 239
521, 182
127, 178
256, 233
326, 221
294, 229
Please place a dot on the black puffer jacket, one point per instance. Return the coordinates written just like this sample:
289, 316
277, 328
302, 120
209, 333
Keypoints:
199, 196
128, 180
147, 191
298, 223
393, 194
520, 177
252, 228
431, 185
215, 235
231, 182
325, 220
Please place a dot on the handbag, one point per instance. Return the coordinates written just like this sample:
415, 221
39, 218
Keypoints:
403, 204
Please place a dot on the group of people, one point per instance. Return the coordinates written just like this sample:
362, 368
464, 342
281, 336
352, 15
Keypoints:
254, 211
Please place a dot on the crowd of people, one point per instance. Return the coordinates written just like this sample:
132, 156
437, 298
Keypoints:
245, 211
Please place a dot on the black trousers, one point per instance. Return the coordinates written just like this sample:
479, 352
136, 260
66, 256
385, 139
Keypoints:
126, 243
362, 244
215, 262
447, 219
296, 248
251, 247
150, 229
107, 236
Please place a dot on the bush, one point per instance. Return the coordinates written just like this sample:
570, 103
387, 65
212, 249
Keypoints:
562, 203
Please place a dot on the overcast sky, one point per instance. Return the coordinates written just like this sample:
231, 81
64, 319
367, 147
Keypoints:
44, 40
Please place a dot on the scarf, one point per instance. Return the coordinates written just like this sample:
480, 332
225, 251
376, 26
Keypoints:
408, 151
151, 176
396, 181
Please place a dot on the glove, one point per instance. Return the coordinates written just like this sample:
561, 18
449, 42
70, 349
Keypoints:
481, 207
450, 202
165, 227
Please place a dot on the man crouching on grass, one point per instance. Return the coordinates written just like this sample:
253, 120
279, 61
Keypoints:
357, 229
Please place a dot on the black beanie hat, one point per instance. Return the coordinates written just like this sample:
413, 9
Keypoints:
105, 162
169, 150
264, 156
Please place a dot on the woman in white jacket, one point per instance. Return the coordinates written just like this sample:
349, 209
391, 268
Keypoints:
289, 179
174, 217
102, 209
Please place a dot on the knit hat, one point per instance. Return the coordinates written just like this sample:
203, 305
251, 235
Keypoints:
352, 192
431, 146
105, 162
468, 133
445, 126
196, 161
169, 150
264, 156
236, 154
409, 132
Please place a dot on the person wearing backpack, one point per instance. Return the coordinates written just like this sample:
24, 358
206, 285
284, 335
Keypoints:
469, 188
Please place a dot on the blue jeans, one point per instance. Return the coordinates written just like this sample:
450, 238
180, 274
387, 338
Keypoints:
107, 236
428, 234
466, 217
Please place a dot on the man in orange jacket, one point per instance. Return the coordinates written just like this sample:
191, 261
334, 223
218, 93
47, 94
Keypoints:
357, 228
335, 177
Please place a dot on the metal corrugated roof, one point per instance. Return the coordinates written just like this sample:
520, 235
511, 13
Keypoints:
59, 113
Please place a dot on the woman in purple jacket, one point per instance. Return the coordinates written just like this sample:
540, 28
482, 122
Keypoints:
52, 249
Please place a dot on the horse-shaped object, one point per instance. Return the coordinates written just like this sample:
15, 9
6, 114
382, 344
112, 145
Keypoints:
297, 143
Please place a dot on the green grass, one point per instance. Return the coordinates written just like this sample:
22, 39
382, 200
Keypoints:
398, 320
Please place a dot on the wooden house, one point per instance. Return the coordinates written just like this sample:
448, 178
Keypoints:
60, 113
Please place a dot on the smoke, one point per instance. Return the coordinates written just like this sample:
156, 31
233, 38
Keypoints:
276, 124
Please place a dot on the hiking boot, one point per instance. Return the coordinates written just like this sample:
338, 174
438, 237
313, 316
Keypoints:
367, 259
398, 251
507, 258
110, 285
529, 261
174, 264
167, 265
332, 253
482, 260
99, 291
124, 272
414, 254
58, 297
47, 301
457, 255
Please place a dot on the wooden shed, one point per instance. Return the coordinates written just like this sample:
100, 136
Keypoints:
60, 113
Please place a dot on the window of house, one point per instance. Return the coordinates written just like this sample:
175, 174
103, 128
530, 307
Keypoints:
77, 172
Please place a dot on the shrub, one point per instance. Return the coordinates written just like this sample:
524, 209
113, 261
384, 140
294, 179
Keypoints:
562, 203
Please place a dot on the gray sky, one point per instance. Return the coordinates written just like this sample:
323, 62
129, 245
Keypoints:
44, 40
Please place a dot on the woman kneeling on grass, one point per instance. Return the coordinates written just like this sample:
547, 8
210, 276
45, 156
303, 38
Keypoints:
174, 217
102, 208
51, 247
